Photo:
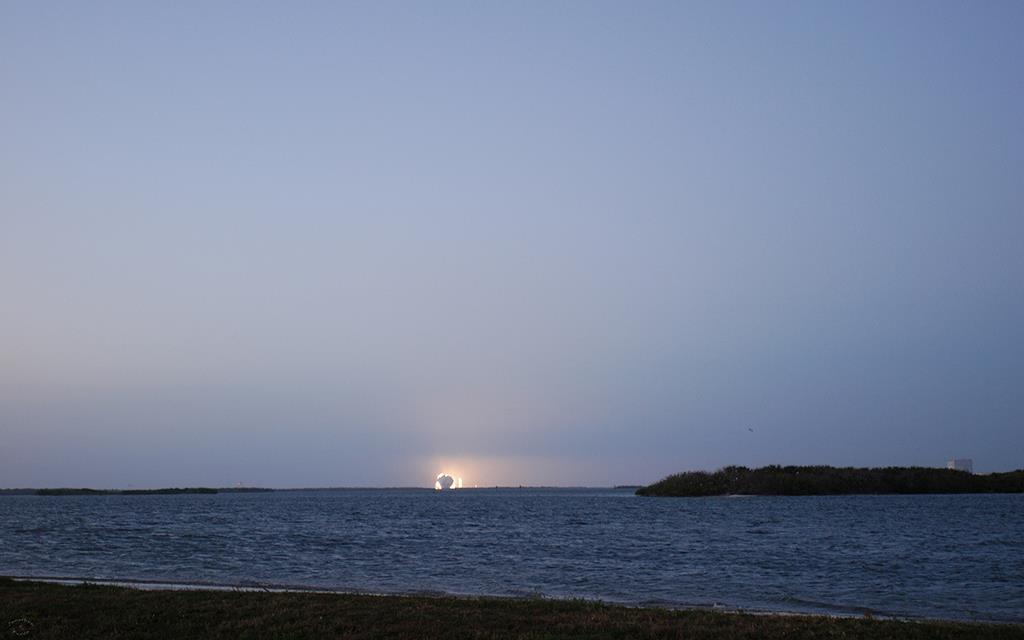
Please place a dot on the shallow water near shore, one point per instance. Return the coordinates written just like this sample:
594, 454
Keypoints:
936, 556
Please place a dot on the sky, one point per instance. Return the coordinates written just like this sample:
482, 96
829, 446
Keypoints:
312, 243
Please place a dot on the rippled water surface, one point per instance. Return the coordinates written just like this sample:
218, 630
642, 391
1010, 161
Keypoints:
930, 556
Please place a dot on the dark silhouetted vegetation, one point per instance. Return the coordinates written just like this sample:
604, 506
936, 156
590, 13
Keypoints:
822, 480
121, 492
127, 492
45, 611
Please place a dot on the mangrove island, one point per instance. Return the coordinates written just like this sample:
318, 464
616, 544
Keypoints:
775, 480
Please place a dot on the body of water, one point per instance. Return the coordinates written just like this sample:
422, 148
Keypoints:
943, 556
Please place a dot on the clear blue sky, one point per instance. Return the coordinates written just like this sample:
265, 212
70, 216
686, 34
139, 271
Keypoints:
304, 243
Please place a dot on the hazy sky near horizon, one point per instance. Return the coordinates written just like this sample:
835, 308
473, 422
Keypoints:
324, 243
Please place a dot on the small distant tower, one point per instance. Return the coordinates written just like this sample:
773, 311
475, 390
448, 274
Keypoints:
961, 464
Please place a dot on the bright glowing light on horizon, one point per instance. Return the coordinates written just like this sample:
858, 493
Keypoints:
444, 481
447, 480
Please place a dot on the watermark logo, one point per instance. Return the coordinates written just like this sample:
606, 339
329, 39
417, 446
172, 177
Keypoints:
20, 627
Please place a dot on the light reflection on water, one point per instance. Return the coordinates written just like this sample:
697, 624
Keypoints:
929, 556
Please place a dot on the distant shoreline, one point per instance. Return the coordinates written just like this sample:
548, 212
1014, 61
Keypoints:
85, 491
73, 491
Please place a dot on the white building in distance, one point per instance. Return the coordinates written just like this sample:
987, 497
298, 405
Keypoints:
961, 464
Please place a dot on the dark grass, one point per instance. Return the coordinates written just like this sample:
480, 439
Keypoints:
90, 611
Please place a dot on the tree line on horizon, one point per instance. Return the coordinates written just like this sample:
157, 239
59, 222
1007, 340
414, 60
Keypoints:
775, 480
73, 491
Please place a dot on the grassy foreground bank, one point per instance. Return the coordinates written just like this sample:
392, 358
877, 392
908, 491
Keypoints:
39, 610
